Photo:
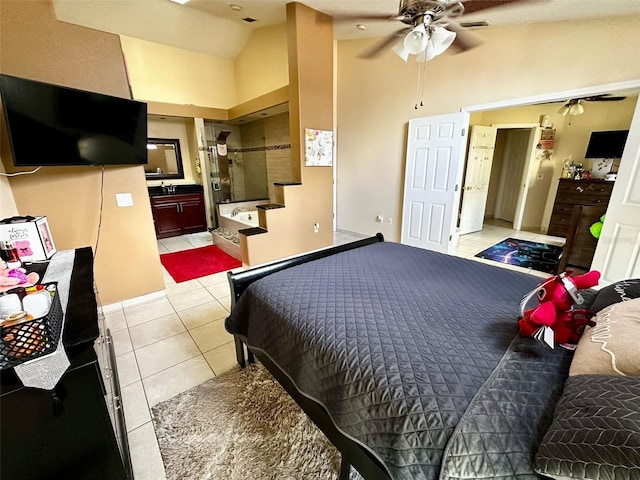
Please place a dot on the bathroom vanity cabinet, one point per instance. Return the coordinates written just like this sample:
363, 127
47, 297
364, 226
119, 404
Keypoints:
179, 213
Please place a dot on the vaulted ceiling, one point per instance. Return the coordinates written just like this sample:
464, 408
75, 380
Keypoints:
217, 27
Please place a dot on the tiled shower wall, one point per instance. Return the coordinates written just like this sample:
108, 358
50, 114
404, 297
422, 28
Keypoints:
255, 165
272, 134
278, 159
260, 155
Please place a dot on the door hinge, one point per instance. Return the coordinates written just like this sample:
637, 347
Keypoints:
456, 189
464, 130
450, 237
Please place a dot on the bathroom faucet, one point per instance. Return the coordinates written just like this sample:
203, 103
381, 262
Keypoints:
236, 211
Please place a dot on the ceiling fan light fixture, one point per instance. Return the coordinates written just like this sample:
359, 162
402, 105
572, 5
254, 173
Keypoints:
564, 109
416, 40
576, 109
401, 51
441, 38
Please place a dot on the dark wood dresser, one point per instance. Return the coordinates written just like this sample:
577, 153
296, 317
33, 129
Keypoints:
76, 431
579, 204
576, 192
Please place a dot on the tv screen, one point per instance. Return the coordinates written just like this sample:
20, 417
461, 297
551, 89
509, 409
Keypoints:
609, 144
53, 125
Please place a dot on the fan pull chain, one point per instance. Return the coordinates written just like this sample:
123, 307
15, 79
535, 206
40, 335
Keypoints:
424, 80
418, 87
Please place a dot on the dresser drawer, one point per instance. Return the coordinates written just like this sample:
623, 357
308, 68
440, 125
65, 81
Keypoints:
586, 187
581, 256
573, 198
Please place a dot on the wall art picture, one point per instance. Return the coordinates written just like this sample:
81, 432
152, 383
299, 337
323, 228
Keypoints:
318, 147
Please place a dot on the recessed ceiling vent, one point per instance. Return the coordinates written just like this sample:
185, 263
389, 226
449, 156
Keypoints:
474, 24
249, 19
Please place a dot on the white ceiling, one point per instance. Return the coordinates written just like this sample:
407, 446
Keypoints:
212, 27
269, 12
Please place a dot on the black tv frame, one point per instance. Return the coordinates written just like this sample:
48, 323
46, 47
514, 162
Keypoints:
54, 125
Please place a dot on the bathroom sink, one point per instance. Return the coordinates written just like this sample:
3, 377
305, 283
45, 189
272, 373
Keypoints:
156, 191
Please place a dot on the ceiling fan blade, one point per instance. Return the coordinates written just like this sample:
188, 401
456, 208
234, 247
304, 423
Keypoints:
386, 42
465, 40
603, 98
473, 6
350, 17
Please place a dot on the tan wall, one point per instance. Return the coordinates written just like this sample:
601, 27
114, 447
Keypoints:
35, 45
7, 202
291, 230
173, 75
376, 98
262, 66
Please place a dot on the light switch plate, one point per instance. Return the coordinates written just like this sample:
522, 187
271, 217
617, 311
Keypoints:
124, 199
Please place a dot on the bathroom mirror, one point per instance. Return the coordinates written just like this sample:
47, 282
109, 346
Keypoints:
163, 159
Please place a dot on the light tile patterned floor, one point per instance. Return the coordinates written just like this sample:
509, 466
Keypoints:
169, 345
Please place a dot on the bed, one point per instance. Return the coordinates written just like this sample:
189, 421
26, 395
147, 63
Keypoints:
408, 360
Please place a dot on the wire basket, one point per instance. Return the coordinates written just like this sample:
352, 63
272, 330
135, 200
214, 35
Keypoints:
25, 340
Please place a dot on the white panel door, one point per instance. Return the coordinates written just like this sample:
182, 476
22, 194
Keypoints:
476, 181
617, 255
433, 173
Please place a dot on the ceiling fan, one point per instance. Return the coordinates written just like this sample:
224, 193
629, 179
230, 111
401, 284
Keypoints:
574, 106
429, 30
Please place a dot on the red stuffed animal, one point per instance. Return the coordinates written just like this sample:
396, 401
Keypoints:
557, 296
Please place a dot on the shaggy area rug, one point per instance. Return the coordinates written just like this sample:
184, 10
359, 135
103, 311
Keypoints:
241, 425
197, 262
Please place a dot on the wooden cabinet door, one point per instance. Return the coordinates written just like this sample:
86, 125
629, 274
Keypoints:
192, 214
166, 217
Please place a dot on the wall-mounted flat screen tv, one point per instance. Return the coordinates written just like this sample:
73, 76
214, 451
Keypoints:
53, 125
609, 144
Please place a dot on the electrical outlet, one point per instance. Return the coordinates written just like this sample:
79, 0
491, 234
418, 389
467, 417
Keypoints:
316, 227
380, 219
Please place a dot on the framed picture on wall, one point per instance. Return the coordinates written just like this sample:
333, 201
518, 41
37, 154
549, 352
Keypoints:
318, 147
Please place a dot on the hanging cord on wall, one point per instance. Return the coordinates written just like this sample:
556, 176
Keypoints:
20, 173
95, 250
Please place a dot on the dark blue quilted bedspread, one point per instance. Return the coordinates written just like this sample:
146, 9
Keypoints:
414, 354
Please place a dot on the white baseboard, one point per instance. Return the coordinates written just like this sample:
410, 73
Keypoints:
149, 297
